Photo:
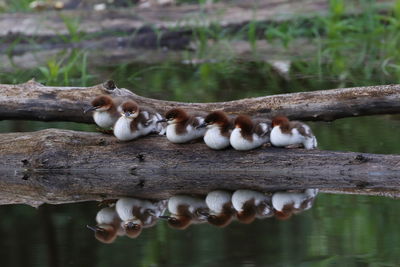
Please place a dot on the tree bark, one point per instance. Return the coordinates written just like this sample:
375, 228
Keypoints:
58, 166
33, 101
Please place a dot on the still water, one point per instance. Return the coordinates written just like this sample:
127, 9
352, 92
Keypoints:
345, 230
338, 230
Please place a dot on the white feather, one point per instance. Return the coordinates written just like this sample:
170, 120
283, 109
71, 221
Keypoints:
214, 139
103, 119
281, 199
215, 200
239, 143
240, 197
123, 131
106, 216
191, 132
282, 139
194, 203
124, 207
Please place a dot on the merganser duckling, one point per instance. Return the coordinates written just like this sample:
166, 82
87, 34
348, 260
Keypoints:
219, 130
288, 133
137, 214
251, 204
221, 208
183, 127
108, 225
286, 204
248, 135
185, 210
105, 110
136, 122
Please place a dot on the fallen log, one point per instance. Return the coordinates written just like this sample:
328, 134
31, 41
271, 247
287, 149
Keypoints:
33, 101
58, 166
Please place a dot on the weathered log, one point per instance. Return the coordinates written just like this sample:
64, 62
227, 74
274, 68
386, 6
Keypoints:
33, 101
57, 166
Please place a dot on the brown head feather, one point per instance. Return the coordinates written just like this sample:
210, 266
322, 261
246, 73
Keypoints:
178, 114
130, 106
281, 121
103, 101
106, 233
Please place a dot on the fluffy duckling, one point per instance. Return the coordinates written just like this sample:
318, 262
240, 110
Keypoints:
137, 214
105, 110
136, 122
219, 128
248, 135
221, 208
108, 225
183, 127
286, 204
287, 133
185, 210
250, 205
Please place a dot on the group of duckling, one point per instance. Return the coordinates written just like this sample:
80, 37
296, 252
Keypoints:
129, 121
129, 216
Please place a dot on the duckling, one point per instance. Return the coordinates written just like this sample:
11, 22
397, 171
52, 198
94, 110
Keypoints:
248, 135
288, 133
182, 127
136, 122
219, 128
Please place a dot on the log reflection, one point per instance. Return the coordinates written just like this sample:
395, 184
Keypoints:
130, 216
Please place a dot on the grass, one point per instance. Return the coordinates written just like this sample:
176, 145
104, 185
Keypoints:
350, 50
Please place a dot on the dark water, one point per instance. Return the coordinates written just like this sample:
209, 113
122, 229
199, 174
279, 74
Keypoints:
339, 230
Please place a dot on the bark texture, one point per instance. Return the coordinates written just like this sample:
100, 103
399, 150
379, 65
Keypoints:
58, 166
33, 101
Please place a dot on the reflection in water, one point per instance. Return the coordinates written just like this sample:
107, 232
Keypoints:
221, 209
108, 225
137, 214
250, 205
288, 203
185, 210
129, 216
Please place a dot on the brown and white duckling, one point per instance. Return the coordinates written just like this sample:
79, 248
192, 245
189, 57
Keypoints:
219, 128
185, 210
221, 209
248, 135
250, 205
286, 204
137, 214
287, 133
135, 122
105, 110
183, 127
108, 225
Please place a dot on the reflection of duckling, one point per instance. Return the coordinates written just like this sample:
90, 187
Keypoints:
251, 204
221, 208
137, 214
108, 225
288, 203
185, 210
